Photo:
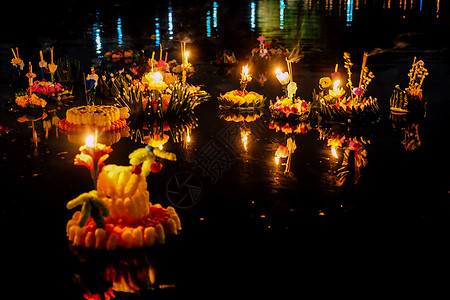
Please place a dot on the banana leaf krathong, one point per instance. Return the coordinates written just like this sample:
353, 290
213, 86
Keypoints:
411, 99
335, 103
178, 102
402, 102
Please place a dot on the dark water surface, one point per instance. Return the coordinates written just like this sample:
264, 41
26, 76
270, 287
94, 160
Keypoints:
250, 228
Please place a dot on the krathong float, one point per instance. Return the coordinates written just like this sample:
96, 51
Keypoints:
29, 99
411, 99
145, 100
335, 103
289, 107
118, 213
101, 117
242, 100
159, 94
49, 90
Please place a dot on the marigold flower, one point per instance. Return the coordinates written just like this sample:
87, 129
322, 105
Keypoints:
325, 82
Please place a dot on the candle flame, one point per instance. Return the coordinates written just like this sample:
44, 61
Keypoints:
188, 138
333, 150
156, 77
186, 56
336, 84
283, 78
90, 141
277, 160
245, 70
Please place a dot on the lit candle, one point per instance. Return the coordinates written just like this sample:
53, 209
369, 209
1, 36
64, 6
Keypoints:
186, 56
41, 55
245, 77
166, 56
160, 51
92, 155
283, 78
337, 91
51, 56
30, 67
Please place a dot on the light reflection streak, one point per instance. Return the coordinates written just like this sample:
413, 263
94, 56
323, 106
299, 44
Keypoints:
119, 32
252, 15
170, 21
97, 38
349, 12
208, 23
282, 7
157, 33
215, 9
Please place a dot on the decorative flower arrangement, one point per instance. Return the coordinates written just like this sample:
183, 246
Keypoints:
157, 93
118, 213
334, 102
411, 99
241, 100
289, 105
147, 101
45, 87
30, 101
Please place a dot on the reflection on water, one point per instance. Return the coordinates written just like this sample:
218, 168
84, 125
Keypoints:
119, 32
291, 22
